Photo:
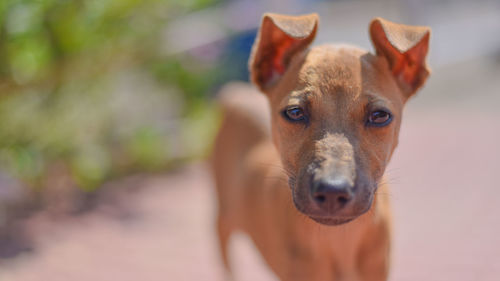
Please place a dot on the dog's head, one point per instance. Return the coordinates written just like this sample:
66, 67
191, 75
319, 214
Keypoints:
336, 110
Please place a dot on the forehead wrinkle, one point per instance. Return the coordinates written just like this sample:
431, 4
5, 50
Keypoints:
333, 73
377, 99
373, 97
299, 96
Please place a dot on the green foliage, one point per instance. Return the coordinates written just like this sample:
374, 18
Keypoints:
84, 82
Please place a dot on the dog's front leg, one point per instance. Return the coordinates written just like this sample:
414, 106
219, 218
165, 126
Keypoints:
374, 254
301, 268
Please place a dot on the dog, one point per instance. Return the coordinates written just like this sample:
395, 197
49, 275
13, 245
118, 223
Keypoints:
300, 168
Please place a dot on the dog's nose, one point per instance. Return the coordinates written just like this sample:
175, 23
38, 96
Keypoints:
332, 193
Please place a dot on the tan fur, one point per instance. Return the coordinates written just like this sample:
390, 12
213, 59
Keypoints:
262, 173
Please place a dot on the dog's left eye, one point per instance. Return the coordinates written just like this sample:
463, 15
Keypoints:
294, 113
379, 118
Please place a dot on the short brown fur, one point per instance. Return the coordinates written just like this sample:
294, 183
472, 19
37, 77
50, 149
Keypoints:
266, 167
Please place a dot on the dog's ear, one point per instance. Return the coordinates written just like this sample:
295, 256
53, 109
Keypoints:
280, 38
405, 48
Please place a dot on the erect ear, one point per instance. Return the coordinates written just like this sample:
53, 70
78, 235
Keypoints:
280, 38
405, 48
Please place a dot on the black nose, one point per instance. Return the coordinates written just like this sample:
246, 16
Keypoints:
332, 193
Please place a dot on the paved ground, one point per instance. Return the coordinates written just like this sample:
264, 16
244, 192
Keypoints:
445, 192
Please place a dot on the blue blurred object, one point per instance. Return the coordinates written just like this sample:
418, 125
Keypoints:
237, 53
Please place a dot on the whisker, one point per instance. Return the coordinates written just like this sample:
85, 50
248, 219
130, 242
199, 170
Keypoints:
384, 194
279, 179
278, 167
388, 181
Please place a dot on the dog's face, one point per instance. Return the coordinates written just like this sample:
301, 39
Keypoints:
336, 110
336, 119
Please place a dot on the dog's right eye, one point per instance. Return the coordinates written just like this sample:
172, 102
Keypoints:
294, 113
379, 118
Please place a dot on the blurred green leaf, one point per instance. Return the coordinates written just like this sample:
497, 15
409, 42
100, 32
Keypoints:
148, 148
63, 98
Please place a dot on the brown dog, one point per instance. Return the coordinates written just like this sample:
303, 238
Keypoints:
335, 113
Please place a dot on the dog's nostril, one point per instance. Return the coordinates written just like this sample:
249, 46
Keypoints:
331, 194
342, 200
319, 198
322, 198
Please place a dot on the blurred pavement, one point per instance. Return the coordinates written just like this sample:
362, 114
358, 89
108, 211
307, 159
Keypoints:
443, 176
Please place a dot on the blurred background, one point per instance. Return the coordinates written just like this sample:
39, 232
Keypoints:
107, 116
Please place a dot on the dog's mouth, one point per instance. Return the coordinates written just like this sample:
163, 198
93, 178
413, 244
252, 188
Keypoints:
331, 221
326, 219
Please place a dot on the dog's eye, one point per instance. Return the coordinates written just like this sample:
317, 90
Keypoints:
379, 118
294, 113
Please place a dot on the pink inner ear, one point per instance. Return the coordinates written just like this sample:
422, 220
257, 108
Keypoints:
279, 60
406, 68
410, 72
409, 65
400, 65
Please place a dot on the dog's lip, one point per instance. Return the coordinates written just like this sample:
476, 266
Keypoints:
332, 220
